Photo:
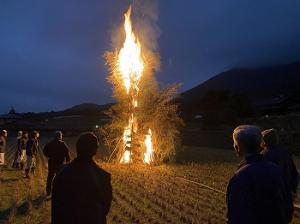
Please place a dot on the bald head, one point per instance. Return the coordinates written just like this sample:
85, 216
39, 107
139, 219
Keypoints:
247, 139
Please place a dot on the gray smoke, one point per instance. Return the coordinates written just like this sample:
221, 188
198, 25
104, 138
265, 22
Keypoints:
145, 17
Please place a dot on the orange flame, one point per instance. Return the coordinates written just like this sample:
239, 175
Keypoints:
131, 67
127, 137
149, 147
130, 62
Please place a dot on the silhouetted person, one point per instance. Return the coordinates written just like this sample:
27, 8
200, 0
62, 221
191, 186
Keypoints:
82, 191
22, 148
280, 156
258, 192
3, 136
31, 153
16, 163
57, 153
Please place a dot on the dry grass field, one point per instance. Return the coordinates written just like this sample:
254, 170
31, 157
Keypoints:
142, 194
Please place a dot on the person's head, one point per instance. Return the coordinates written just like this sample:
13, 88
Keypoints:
34, 135
20, 133
247, 139
24, 134
58, 136
4, 133
270, 138
87, 145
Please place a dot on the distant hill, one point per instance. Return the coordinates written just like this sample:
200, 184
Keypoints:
86, 109
266, 87
79, 118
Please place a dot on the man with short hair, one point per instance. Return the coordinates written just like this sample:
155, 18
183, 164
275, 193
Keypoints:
57, 153
274, 153
258, 192
31, 153
82, 191
3, 136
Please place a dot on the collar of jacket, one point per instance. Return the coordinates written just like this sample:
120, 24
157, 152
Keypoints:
252, 158
84, 160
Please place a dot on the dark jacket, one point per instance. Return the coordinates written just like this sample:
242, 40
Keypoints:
2, 144
282, 158
31, 147
21, 144
81, 193
258, 194
57, 153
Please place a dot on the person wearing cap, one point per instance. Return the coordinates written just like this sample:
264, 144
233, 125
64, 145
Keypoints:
280, 156
3, 137
57, 153
82, 191
31, 153
16, 163
257, 192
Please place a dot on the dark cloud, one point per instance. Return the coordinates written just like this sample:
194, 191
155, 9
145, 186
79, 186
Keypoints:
51, 51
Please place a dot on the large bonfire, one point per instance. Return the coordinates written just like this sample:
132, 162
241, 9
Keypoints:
145, 123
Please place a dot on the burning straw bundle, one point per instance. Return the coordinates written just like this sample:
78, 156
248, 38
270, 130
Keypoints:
145, 124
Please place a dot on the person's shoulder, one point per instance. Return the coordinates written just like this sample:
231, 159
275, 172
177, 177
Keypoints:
100, 171
272, 166
49, 143
283, 152
244, 175
266, 168
274, 151
239, 179
62, 142
65, 171
265, 151
245, 172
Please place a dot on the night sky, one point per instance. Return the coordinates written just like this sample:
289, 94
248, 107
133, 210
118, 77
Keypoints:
51, 51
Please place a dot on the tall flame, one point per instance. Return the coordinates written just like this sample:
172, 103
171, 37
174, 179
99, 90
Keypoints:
131, 67
130, 62
127, 137
149, 147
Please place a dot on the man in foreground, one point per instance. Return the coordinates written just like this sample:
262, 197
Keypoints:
258, 192
57, 153
82, 191
274, 153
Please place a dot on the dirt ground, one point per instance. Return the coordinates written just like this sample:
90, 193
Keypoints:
142, 193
